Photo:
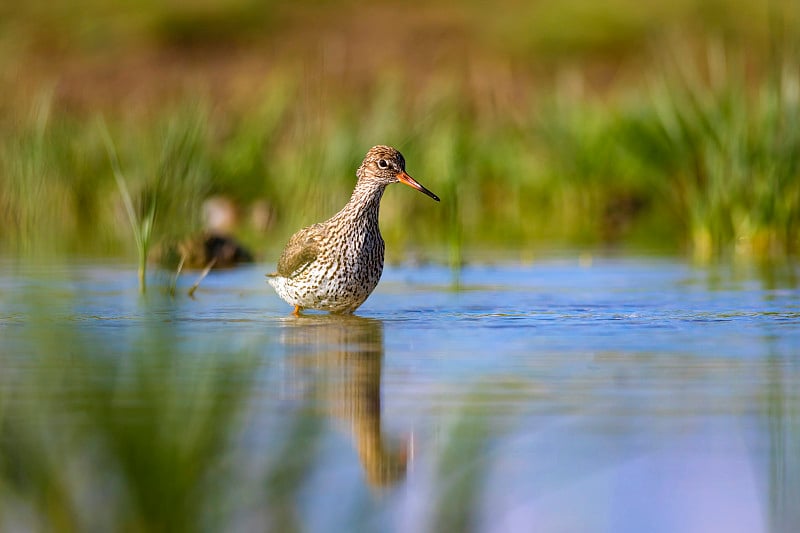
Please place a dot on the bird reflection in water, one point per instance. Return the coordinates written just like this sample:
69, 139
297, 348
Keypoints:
347, 352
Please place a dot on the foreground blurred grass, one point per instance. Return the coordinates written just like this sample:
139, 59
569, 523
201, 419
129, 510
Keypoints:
694, 153
138, 427
138, 437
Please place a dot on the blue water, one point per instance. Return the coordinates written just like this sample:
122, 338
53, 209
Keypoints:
611, 395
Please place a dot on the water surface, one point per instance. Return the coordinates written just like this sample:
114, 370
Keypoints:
625, 395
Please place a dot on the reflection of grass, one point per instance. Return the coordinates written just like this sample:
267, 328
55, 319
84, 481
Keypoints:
463, 465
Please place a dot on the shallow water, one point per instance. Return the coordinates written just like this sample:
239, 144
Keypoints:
624, 395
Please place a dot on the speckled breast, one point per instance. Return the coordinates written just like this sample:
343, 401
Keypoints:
341, 278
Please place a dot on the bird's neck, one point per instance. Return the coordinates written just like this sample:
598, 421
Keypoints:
365, 202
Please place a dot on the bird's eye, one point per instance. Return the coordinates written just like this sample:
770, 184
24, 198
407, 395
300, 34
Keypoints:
382, 163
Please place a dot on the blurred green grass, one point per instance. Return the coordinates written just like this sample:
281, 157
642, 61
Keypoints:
580, 127
137, 438
141, 427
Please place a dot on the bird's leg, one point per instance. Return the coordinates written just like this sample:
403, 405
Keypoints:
297, 310
203, 275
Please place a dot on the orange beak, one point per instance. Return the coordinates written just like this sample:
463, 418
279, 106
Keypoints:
411, 182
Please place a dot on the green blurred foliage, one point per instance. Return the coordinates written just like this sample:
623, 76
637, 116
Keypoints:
572, 124
138, 436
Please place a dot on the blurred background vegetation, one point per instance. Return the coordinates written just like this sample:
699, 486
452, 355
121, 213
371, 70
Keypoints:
666, 127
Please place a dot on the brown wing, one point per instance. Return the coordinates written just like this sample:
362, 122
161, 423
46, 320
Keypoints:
302, 249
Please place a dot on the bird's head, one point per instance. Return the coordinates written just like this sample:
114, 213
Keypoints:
386, 165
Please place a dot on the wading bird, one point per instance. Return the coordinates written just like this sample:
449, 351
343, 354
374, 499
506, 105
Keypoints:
335, 265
